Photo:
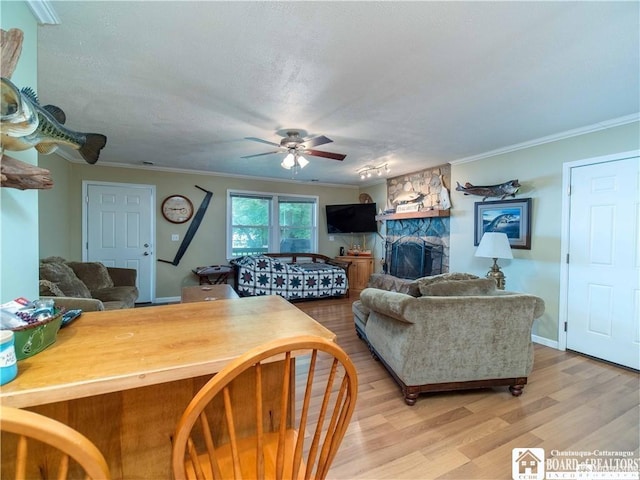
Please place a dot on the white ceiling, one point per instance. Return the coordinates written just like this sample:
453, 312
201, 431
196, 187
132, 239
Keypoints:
415, 84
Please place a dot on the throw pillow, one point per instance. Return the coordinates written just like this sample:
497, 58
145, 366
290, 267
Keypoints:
93, 274
49, 289
52, 260
444, 277
67, 281
448, 288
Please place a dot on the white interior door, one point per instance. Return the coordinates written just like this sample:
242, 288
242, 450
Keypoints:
603, 297
119, 230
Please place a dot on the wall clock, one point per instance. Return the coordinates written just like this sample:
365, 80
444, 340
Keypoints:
177, 209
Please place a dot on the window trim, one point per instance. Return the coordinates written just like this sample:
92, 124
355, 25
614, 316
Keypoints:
274, 226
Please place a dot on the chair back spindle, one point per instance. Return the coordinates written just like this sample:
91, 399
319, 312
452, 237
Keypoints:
289, 426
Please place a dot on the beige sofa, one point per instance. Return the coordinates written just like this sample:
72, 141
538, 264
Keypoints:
89, 286
456, 331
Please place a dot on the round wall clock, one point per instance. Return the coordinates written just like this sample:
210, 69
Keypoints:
177, 209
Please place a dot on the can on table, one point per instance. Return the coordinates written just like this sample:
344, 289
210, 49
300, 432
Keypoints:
8, 360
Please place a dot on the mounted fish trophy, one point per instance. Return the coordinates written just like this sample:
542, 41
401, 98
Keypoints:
25, 124
502, 190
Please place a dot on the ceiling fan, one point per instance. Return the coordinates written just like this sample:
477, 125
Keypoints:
296, 146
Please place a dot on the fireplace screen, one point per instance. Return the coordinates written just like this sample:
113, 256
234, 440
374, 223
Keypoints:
413, 258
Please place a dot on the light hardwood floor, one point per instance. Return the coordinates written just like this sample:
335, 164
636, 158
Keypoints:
571, 403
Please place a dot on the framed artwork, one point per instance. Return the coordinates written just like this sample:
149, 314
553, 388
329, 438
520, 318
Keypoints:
512, 217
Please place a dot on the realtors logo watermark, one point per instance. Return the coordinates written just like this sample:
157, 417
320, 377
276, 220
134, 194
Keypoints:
527, 463
531, 464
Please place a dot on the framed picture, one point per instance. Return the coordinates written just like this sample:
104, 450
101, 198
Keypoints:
512, 217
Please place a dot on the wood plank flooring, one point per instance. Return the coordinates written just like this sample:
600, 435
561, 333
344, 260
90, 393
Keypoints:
572, 403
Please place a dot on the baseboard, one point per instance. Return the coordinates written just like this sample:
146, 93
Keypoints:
167, 300
545, 341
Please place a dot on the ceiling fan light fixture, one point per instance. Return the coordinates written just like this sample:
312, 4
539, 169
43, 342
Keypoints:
303, 162
288, 162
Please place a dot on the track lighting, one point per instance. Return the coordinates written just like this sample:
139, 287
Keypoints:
368, 170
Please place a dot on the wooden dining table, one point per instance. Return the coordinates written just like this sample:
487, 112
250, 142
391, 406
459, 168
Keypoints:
123, 378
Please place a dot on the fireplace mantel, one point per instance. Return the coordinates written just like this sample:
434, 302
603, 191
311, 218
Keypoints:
406, 215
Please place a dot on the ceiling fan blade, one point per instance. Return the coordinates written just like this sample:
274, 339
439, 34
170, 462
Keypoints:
261, 154
318, 153
315, 141
262, 141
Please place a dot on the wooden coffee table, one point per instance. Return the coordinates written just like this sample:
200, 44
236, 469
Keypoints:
203, 293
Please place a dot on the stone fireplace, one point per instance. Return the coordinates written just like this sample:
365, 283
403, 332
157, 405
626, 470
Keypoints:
417, 247
417, 244
413, 258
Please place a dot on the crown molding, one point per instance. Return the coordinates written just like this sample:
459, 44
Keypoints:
616, 122
71, 159
45, 13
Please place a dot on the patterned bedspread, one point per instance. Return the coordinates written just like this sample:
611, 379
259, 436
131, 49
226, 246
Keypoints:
262, 275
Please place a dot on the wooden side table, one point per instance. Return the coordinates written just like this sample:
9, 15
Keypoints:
360, 270
204, 293
213, 274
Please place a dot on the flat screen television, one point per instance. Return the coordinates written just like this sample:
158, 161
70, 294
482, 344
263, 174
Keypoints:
352, 218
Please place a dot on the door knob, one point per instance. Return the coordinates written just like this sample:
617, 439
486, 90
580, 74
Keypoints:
146, 254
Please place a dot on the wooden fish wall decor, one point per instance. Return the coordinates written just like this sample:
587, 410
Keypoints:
16, 173
501, 190
26, 124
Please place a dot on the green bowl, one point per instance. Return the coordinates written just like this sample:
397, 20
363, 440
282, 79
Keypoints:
34, 338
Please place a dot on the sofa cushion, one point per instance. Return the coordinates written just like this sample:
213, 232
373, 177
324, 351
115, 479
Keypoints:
49, 289
127, 296
443, 277
52, 260
394, 284
65, 278
93, 274
476, 286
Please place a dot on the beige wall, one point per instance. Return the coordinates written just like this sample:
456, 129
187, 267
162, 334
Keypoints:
209, 243
539, 170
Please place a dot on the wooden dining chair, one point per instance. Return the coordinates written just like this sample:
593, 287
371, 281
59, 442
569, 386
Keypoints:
231, 428
61, 451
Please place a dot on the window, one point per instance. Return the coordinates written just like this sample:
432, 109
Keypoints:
270, 222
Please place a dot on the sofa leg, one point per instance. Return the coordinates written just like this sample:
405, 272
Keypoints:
410, 397
374, 355
516, 390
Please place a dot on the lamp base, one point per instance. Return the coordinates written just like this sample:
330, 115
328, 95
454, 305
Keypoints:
497, 275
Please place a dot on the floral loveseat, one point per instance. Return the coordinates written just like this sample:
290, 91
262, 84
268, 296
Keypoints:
294, 276
448, 332
88, 286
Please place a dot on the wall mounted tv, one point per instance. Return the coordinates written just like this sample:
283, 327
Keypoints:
352, 218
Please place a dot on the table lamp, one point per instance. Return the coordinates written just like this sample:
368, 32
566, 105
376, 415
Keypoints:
495, 245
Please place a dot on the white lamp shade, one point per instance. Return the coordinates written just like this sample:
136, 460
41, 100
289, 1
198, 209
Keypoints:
494, 245
288, 162
303, 162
